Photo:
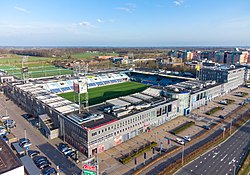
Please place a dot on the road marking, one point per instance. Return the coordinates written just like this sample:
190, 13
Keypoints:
200, 161
191, 170
224, 157
205, 158
196, 166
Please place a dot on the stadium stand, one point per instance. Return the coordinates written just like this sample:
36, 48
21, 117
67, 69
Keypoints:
92, 81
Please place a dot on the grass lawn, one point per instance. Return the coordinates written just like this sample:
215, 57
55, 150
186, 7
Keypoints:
36, 70
101, 94
91, 55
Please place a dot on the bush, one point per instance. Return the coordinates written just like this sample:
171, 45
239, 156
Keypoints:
134, 154
182, 127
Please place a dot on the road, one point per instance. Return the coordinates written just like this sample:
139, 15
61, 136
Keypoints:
39, 142
213, 133
223, 159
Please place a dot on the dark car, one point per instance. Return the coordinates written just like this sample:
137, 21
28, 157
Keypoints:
206, 127
10, 123
222, 116
43, 164
62, 146
33, 153
49, 171
71, 154
37, 159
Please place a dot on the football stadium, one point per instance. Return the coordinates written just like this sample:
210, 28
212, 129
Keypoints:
119, 108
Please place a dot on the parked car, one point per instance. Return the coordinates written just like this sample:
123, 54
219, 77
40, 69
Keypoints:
24, 142
10, 123
37, 159
71, 153
49, 171
180, 141
5, 117
222, 116
43, 164
33, 153
206, 127
187, 138
62, 146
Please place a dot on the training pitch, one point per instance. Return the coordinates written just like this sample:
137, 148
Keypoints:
101, 94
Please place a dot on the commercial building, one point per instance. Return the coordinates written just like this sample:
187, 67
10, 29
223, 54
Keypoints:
223, 74
9, 163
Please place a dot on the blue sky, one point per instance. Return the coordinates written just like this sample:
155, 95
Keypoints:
124, 22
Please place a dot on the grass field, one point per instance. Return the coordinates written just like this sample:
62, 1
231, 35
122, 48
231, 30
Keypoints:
38, 66
90, 55
101, 94
36, 70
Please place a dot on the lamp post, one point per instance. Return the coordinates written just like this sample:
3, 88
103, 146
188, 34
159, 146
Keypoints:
182, 157
224, 129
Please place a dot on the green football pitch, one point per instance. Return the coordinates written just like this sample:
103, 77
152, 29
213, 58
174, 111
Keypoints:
101, 94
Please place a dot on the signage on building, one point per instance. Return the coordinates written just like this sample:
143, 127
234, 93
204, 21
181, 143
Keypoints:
80, 86
89, 166
25, 69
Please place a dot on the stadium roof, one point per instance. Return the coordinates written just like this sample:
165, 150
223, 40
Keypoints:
58, 103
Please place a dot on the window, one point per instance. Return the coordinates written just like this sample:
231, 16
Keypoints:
169, 108
108, 128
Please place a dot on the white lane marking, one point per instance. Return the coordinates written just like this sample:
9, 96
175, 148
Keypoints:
224, 157
200, 161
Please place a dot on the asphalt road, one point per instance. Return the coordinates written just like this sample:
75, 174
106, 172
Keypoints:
223, 159
39, 142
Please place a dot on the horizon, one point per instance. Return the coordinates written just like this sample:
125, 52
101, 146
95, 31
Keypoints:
134, 23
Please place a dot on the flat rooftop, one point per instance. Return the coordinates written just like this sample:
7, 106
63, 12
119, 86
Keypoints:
54, 101
8, 160
191, 87
117, 109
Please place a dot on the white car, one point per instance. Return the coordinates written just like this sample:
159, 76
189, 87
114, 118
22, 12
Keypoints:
180, 141
187, 138
5, 117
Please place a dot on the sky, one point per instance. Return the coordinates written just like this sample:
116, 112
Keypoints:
122, 23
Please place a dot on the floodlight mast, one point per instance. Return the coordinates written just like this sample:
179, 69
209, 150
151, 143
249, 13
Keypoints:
87, 94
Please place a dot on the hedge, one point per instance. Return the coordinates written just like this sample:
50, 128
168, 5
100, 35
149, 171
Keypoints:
213, 110
137, 153
182, 127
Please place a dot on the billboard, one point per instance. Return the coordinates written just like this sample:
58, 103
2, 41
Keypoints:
89, 166
80, 86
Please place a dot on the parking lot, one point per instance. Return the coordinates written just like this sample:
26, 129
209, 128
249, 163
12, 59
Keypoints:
47, 148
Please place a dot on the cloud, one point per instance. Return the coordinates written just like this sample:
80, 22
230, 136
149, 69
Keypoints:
85, 24
99, 20
178, 2
128, 7
22, 9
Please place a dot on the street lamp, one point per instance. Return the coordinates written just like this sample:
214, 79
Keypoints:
182, 158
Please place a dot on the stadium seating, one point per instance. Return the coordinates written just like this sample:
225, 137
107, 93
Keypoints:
92, 81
